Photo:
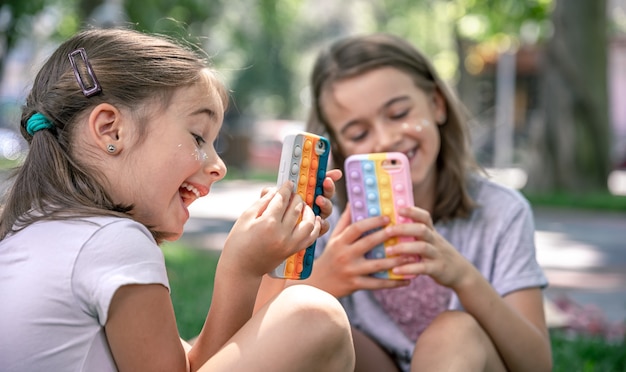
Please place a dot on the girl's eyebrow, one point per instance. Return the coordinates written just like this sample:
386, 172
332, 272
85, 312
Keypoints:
204, 110
393, 100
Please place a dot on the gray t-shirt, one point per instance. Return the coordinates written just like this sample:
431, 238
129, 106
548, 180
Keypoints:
498, 238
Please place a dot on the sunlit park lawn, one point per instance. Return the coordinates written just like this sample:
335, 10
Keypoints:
191, 273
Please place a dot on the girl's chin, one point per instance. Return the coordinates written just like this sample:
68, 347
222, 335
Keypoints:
172, 236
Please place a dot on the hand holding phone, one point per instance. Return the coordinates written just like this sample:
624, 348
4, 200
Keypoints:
304, 160
378, 184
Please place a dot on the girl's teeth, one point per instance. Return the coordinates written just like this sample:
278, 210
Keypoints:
192, 189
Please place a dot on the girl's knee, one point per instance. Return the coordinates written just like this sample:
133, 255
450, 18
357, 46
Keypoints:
319, 316
454, 323
454, 328
454, 339
305, 300
314, 311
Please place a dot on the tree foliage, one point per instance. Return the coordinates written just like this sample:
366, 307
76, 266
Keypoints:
265, 50
572, 147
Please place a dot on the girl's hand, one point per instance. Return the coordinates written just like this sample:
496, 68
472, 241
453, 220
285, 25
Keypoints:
324, 201
438, 258
342, 268
270, 231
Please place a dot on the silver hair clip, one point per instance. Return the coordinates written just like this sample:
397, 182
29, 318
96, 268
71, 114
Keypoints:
91, 87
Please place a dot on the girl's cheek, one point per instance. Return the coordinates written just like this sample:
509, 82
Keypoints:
200, 155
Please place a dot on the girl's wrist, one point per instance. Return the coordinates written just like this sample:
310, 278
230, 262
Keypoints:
467, 281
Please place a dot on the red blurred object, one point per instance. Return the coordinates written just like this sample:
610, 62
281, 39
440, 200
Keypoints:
266, 143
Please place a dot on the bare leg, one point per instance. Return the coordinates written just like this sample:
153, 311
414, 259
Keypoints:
454, 341
369, 355
302, 329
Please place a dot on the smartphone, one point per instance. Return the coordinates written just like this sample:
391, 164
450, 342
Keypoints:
378, 184
304, 159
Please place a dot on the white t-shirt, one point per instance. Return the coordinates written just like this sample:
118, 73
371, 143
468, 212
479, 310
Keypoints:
498, 238
57, 279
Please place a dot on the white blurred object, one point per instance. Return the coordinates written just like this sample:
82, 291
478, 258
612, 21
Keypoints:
512, 177
617, 182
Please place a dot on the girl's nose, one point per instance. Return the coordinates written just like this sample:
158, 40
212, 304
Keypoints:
387, 139
214, 166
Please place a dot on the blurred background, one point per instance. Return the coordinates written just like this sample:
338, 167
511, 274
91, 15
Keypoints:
544, 80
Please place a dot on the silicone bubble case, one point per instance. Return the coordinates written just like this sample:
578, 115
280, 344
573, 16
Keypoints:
378, 184
303, 160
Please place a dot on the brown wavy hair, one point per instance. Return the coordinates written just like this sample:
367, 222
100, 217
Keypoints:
133, 69
355, 55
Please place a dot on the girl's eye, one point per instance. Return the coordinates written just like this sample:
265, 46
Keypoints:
356, 137
400, 115
199, 140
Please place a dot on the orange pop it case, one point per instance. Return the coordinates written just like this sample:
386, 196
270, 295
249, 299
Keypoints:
304, 159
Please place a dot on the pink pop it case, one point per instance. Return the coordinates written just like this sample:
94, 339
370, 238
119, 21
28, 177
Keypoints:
378, 184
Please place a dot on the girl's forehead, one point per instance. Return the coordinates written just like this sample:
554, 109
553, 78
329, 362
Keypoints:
201, 96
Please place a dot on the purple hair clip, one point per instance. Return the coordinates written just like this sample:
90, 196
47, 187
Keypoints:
91, 87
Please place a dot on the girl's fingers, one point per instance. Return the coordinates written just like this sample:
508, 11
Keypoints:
418, 231
294, 211
334, 175
416, 248
384, 264
417, 215
265, 190
370, 229
372, 283
280, 200
415, 268
344, 220
325, 206
307, 230
328, 186
258, 207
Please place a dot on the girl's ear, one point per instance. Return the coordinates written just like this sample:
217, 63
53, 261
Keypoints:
440, 107
106, 128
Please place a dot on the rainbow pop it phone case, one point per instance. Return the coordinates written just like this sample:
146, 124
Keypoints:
377, 184
304, 159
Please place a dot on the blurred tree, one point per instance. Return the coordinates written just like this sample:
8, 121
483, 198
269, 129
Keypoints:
32, 19
573, 145
14, 16
265, 49
569, 148
179, 18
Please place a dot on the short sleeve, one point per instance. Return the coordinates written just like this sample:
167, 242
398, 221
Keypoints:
119, 253
516, 266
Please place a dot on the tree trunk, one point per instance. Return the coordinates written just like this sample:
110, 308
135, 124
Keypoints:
570, 140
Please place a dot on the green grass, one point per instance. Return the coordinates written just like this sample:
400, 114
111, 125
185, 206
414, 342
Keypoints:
601, 201
191, 272
251, 174
587, 354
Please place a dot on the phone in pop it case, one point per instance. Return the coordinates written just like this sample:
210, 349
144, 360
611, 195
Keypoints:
304, 160
378, 184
